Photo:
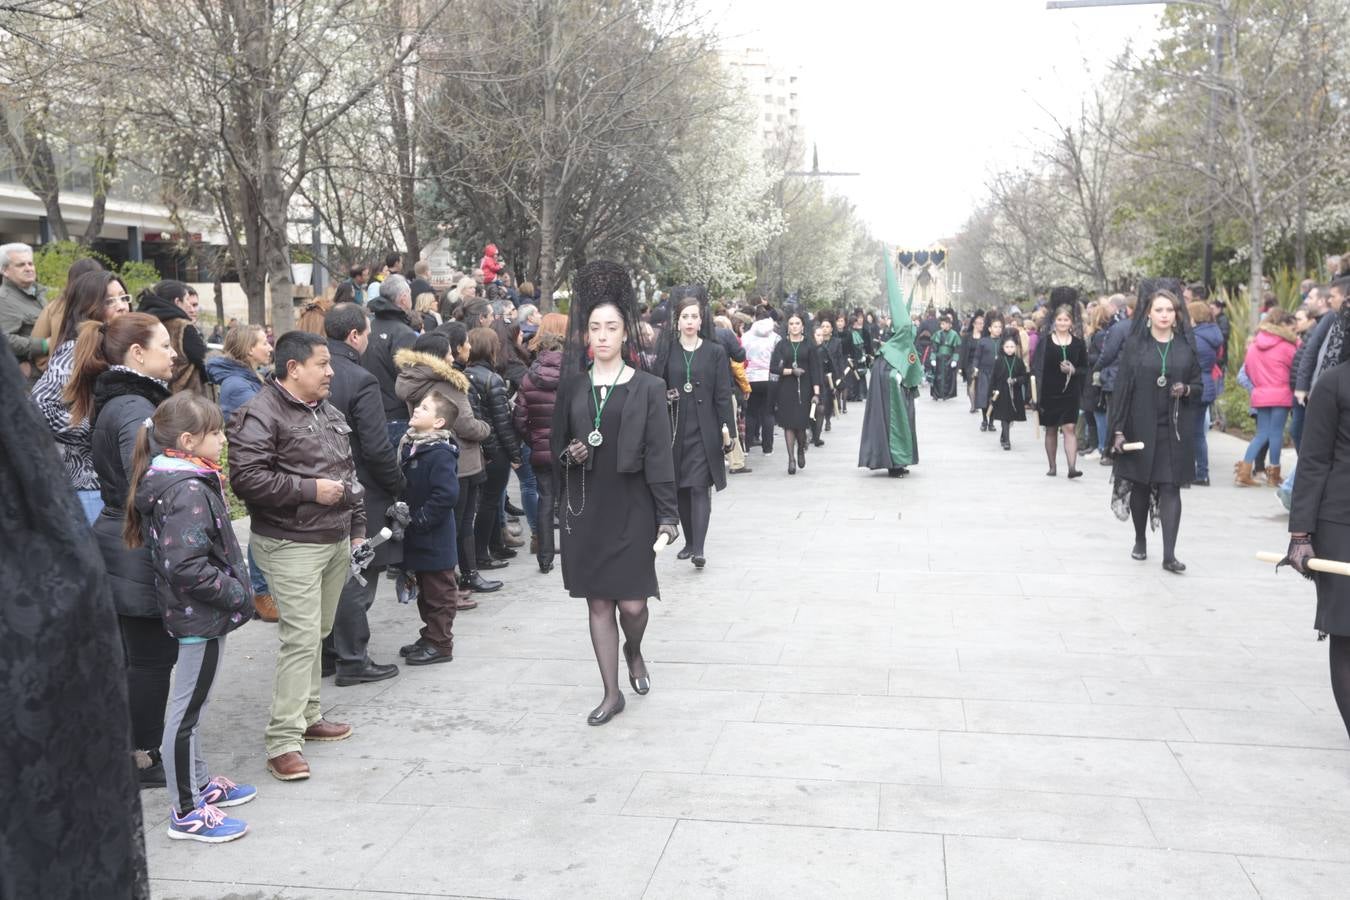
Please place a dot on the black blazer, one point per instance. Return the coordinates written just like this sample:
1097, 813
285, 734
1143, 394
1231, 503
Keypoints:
710, 374
644, 434
1320, 495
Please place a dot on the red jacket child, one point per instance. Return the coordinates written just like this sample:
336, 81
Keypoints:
489, 264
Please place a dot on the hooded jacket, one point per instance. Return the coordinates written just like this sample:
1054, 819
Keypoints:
534, 405
1268, 361
421, 373
390, 331
201, 578
429, 543
759, 342
188, 368
237, 382
1208, 347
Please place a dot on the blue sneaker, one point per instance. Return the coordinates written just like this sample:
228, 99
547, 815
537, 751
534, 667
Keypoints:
206, 824
222, 792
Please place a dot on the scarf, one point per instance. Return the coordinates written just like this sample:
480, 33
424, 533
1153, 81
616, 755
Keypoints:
201, 462
415, 439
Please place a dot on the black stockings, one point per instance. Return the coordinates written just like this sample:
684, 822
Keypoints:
695, 512
605, 639
1340, 675
1005, 431
1169, 512
1070, 446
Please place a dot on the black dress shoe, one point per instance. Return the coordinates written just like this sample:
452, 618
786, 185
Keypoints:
1175, 566
502, 553
1006, 445
328, 668
685, 553
700, 562
427, 655
817, 443
152, 777
491, 564
600, 715
1052, 472
514, 511
1074, 473
409, 649
743, 470
898, 472
545, 566
476, 582
372, 671
641, 684
1139, 552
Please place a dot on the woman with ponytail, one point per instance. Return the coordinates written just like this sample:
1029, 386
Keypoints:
175, 304
119, 376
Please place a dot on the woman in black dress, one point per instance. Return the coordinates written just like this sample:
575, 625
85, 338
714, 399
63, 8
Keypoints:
1319, 515
1156, 385
1009, 390
1060, 369
697, 373
797, 366
985, 354
611, 442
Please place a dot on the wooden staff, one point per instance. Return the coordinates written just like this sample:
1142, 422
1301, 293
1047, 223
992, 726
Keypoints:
1132, 446
1330, 566
1035, 401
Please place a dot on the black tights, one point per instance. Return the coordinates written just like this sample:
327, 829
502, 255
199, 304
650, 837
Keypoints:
1070, 446
150, 657
695, 512
605, 639
1340, 675
1006, 430
1169, 511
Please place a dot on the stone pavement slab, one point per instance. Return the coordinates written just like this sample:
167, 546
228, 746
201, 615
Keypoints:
953, 685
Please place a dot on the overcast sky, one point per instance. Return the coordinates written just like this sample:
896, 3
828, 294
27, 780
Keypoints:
927, 98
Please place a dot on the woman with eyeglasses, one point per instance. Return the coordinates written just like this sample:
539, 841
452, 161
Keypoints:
96, 296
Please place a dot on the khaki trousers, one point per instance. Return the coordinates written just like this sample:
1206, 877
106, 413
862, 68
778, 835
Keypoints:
306, 581
736, 458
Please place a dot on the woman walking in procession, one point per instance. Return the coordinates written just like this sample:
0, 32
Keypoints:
698, 388
798, 369
612, 442
1009, 391
970, 340
1060, 368
1156, 386
985, 354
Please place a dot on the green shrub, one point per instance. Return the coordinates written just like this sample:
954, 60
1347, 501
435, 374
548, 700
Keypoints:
1233, 405
54, 260
237, 508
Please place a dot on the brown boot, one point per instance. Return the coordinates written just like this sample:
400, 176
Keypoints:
534, 545
1244, 475
1273, 476
266, 607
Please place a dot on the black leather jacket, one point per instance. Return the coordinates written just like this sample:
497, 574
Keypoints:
490, 403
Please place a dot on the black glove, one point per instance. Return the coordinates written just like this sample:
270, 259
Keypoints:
1117, 444
576, 454
1297, 556
1179, 390
671, 532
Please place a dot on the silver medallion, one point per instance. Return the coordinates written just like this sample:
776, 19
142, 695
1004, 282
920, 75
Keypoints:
595, 438
1162, 381
688, 388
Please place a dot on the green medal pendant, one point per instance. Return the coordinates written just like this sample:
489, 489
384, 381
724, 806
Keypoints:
595, 438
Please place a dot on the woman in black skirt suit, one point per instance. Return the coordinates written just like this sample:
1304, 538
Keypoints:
1319, 515
797, 366
1060, 369
611, 442
1158, 381
697, 373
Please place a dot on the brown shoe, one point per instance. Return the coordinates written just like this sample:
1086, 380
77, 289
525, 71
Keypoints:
1244, 475
534, 545
289, 766
324, 730
266, 607
1273, 478
465, 601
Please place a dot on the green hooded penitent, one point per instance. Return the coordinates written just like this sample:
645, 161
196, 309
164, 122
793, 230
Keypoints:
889, 440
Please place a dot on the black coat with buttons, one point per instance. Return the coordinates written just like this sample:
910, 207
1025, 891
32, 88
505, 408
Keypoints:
708, 405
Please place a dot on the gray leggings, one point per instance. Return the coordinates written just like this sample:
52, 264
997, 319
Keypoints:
184, 769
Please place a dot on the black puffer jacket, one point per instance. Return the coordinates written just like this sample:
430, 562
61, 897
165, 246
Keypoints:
123, 400
390, 331
201, 577
493, 407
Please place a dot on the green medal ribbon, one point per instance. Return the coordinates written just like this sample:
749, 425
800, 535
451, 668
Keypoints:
1162, 354
595, 438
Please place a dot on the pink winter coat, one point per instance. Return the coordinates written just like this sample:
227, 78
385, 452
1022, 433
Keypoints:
1268, 361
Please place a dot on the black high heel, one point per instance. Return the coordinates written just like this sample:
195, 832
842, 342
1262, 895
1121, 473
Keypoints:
685, 553
1175, 566
600, 715
642, 684
1074, 473
1140, 552
700, 562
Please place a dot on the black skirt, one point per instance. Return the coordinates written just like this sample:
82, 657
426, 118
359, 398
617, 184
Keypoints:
1332, 541
608, 520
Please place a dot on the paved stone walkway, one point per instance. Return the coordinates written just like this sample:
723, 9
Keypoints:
955, 685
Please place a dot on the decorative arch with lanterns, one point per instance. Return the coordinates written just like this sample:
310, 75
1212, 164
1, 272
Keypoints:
925, 271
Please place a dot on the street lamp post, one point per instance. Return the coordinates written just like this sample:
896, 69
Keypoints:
813, 173
1211, 123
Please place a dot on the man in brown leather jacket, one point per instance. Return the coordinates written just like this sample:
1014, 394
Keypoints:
291, 464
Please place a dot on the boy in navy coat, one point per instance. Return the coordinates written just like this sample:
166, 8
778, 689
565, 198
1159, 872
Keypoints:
430, 462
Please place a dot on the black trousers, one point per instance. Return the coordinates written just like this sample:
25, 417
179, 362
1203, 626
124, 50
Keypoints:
759, 415
548, 497
150, 654
346, 645
466, 511
490, 507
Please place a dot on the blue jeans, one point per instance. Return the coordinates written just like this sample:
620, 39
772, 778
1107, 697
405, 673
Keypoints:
1099, 416
255, 574
1296, 424
529, 489
92, 501
1269, 433
1201, 441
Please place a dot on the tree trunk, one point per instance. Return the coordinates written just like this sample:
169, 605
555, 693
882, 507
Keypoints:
103, 172
37, 171
548, 212
1301, 230
406, 155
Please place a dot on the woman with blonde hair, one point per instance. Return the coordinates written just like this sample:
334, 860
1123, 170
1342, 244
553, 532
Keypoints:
428, 307
311, 317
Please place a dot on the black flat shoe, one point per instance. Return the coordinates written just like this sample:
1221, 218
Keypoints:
409, 649
817, 443
684, 554
372, 671
545, 567
1052, 473
513, 510
502, 553
1175, 566
641, 684
1139, 552
490, 564
481, 585
898, 472
600, 715
792, 466
152, 777
1006, 445
426, 656
1074, 473
700, 562
1201, 482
